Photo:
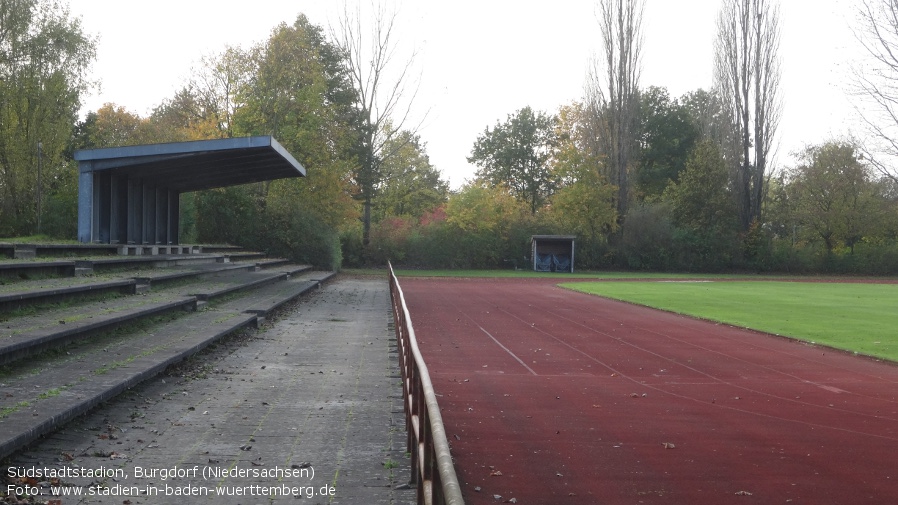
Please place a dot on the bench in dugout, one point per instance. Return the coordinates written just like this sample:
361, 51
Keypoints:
561, 263
543, 262
553, 263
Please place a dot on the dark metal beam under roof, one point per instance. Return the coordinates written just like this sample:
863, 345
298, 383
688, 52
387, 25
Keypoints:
198, 165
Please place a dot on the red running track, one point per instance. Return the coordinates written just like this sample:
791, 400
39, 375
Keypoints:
556, 397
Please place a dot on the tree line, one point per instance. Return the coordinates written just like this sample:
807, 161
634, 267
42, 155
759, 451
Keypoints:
645, 180
650, 181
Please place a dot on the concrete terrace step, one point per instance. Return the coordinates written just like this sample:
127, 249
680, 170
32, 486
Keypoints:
155, 277
30, 292
42, 250
220, 285
272, 262
40, 394
157, 261
37, 403
244, 256
221, 248
269, 298
28, 335
27, 251
241, 281
17, 270
23, 293
290, 269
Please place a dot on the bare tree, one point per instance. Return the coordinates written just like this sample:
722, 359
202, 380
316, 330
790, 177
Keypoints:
747, 77
612, 90
386, 90
876, 83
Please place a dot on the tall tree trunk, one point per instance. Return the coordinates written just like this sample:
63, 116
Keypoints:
613, 90
747, 74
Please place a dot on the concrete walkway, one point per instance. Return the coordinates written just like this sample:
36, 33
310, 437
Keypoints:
307, 408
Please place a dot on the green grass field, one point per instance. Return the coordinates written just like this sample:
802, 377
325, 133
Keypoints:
851, 316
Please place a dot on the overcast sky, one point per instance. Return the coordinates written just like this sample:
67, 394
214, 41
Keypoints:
481, 60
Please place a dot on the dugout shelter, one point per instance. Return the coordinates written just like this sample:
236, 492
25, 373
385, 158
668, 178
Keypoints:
552, 253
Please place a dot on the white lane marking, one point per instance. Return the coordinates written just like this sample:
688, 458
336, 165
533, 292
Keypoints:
513, 355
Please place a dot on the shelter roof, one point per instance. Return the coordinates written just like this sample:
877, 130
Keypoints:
197, 165
565, 238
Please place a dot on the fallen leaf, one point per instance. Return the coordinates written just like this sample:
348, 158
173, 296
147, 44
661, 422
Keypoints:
743, 493
668, 445
495, 473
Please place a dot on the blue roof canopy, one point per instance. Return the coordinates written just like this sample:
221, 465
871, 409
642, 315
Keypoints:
197, 165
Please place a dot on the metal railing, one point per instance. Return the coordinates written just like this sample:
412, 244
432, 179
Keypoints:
432, 470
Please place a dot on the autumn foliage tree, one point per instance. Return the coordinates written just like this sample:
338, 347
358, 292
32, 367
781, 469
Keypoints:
296, 89
44, 58
583, 204
490, 226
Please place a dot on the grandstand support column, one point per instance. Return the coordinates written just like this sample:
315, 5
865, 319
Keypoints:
85, 207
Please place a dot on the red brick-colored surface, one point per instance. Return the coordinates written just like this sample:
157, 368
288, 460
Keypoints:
556, 397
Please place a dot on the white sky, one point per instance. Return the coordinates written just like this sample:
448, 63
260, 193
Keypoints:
481, 60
